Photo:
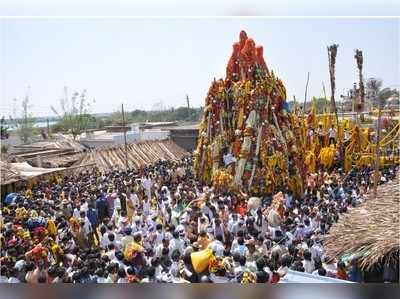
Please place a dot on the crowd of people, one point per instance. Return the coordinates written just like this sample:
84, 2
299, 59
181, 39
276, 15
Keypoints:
147, 226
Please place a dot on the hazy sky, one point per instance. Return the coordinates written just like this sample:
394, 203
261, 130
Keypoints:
144, 61
200, 7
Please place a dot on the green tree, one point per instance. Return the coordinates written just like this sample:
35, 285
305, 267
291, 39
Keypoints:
3, 128
25, 124
74, 114
3, 149
323, 105
374, 85
116, 117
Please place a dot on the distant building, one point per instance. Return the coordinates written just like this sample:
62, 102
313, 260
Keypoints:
135, 132
148, 135
185, 136
107, 138
393, 103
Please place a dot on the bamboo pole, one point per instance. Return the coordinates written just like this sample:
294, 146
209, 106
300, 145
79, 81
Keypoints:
305, 92
323, 90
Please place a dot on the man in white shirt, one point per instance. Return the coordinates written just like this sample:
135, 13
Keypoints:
229, 159
132, 204
160, 247
159, 235
300, 232
116, 214
147, 184
242, 266
310, 135
307, 226
207, 210
332, 135
288, 199
239, 247
238, 226
127, 238
176, 243
112, 240
118, 259
146, 207
321, 135
104, 241
87, 226
136, 224
316, 250
152, 221
217, 246
233, 219
308, 264
202, 223
110, 252
218, 228
3, 277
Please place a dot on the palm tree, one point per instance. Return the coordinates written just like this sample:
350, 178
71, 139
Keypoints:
374, 85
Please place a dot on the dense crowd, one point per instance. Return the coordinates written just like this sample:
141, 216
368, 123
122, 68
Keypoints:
146, 226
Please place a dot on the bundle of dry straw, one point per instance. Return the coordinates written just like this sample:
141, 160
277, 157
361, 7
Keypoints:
370, 231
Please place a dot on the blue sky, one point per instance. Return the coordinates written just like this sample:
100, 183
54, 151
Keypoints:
145, 61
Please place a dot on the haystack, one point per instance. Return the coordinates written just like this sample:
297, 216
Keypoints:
370, 232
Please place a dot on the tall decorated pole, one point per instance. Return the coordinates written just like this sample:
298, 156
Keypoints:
332, 52
361, 104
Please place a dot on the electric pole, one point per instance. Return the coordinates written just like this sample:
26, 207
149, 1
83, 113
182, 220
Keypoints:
48, 128
305, 93
323, 89
124, 128
188, 106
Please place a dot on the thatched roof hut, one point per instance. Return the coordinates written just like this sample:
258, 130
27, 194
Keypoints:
15, 175
370, 232
14, 172
139, 154
106, 159
8, 175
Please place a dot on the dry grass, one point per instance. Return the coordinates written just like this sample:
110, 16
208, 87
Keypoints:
370, 231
